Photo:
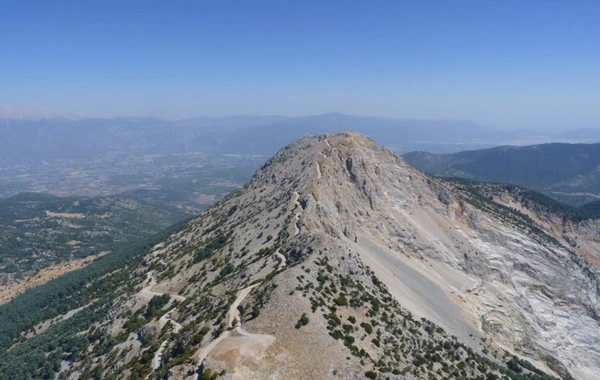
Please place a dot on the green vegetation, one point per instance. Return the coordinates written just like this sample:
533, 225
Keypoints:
562, 171
530, 199
255, 311
341, 300
39, 357
391, 340
303, 321
208, 374
37, 230
155, 304
212, 246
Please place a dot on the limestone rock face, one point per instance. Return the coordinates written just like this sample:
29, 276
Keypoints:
339, 260
535, 293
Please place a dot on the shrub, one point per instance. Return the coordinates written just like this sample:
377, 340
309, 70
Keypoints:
227, 269
368, 328
341, 300
208, 374
255, 311
303, 321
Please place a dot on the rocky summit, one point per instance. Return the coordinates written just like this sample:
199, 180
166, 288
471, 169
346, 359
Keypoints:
340, 261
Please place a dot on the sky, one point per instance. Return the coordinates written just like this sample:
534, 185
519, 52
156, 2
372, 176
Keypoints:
500, 63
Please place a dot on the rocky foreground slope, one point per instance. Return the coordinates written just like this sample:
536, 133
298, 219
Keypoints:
339, 260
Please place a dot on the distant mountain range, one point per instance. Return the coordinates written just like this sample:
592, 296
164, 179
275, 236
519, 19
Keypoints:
568, 172
37, 134
398, 134
44, 151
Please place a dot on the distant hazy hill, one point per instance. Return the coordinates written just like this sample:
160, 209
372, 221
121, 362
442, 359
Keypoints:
38, 230
397, 134
39, 138
569, 172
52, 138
194, 162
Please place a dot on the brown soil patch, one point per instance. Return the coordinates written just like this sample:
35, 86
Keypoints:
242, 351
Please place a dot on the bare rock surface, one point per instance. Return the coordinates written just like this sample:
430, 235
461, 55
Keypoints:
340, 260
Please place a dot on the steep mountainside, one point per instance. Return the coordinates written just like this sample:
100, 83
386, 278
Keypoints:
339, 260
568, 172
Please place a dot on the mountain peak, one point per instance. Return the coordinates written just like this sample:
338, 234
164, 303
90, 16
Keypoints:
339, 254
312, 157
427, 240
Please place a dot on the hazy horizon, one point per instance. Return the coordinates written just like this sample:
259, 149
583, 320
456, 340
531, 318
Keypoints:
502, 65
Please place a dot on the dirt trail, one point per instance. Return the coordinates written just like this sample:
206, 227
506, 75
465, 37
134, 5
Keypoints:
235, 325
166, 319
323, 154
295, 198
234, 313
234, 316
158, 356
199, 357
43, 326
148, 293
282, 260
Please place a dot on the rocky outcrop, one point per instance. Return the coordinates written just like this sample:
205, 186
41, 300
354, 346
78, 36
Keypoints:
523, 290
341, 255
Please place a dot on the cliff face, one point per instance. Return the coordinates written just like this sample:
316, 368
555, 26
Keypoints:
521, 283
339, 260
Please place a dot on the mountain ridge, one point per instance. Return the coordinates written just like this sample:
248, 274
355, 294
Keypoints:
339, 254
567, 172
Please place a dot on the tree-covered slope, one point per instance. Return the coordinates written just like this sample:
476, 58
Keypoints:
38, 230
568, 172
29, 353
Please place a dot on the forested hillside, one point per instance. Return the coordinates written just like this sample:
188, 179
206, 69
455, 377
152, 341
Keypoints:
36, 353
567, 172
38, 230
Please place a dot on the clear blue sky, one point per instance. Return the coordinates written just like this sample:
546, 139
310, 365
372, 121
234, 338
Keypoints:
516, 63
